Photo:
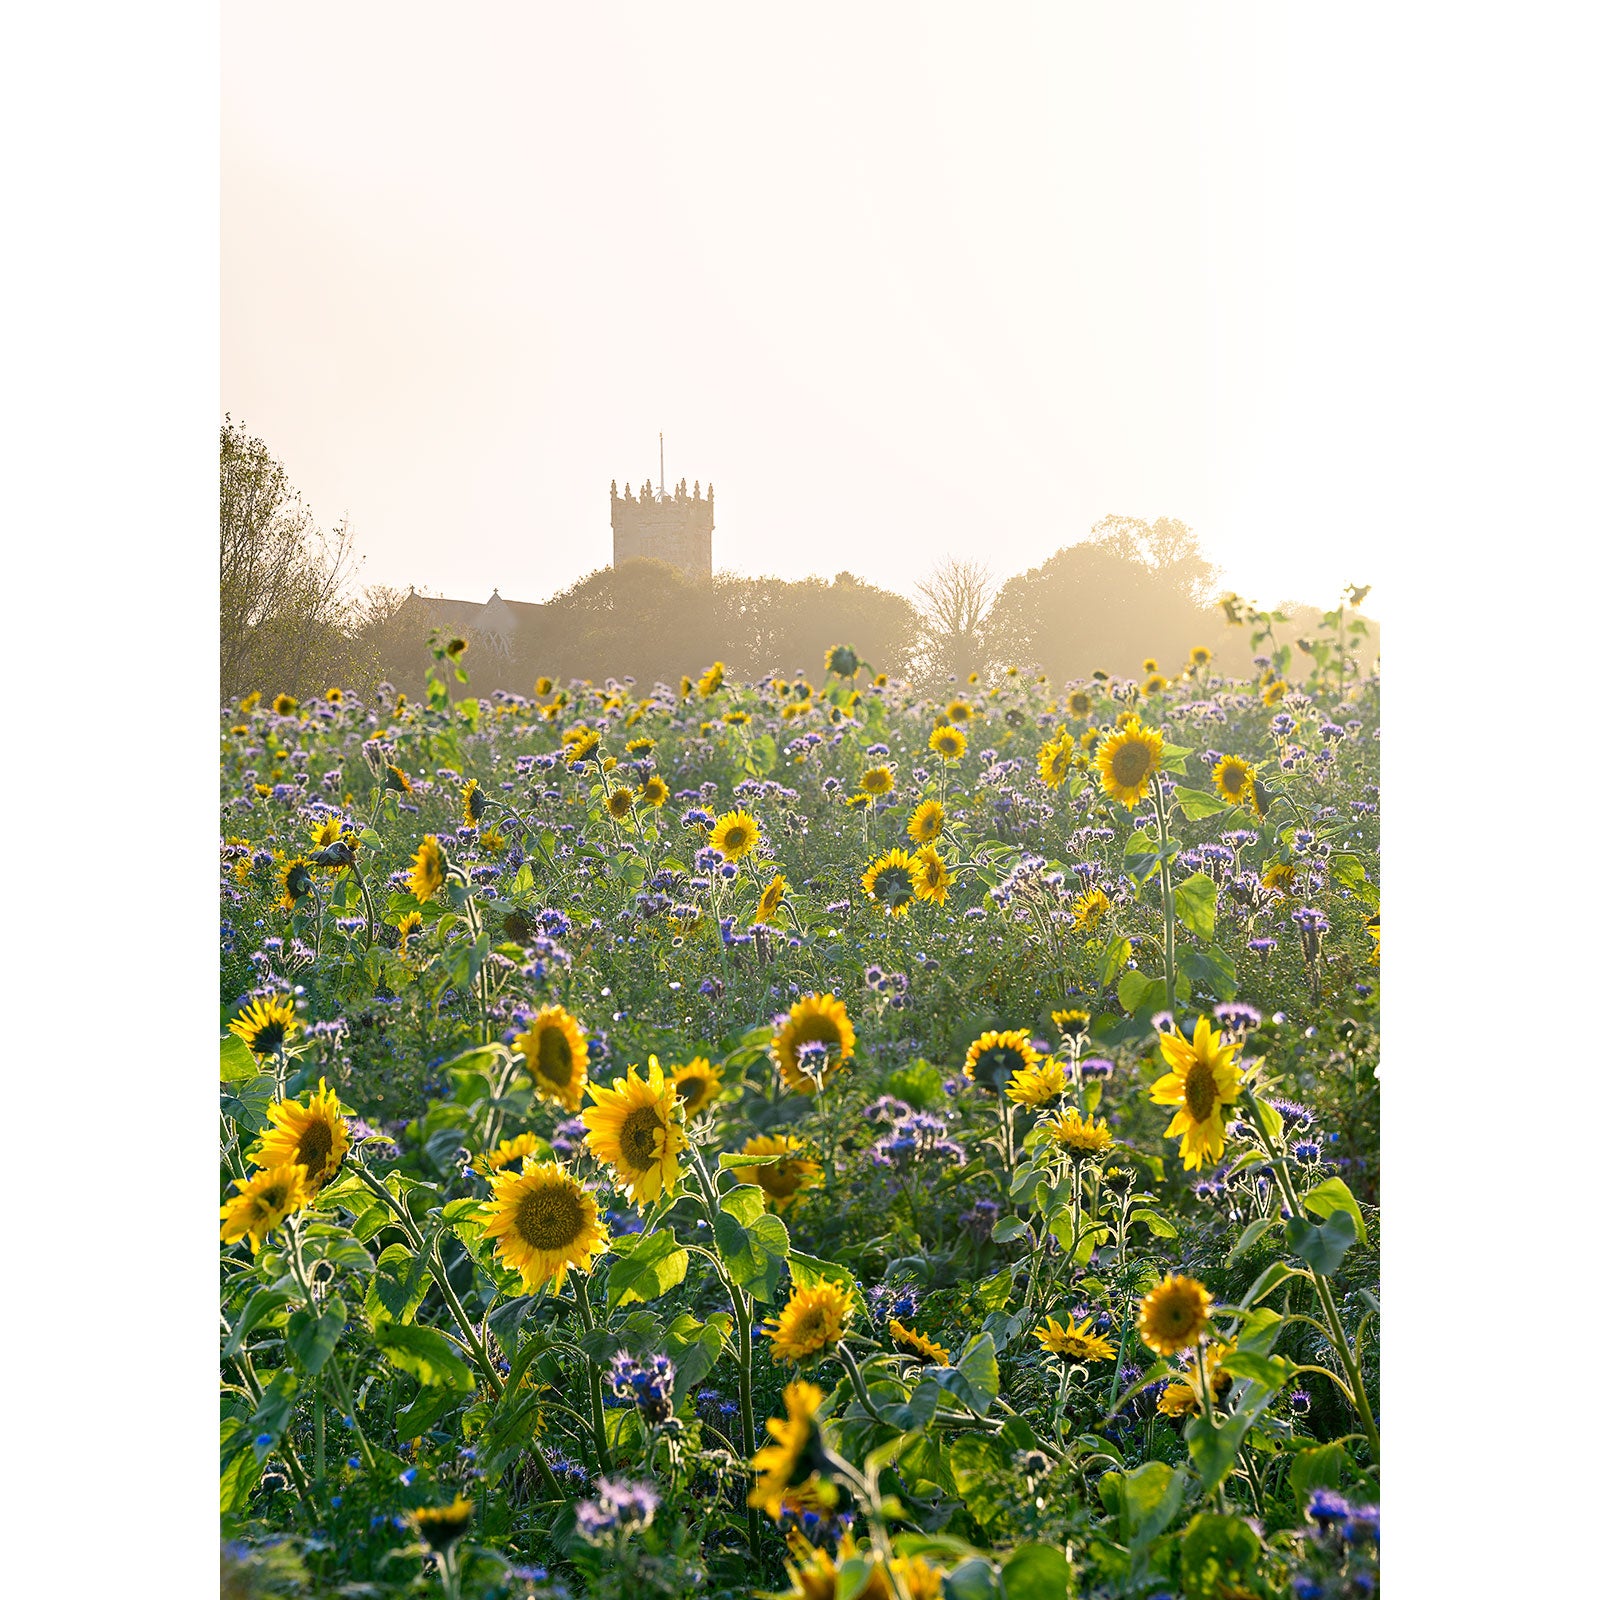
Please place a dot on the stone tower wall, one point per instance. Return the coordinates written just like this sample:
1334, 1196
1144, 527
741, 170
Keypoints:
675, 528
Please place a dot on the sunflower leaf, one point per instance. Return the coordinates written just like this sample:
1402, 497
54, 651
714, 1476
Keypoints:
429, 1357
1195, 901
654, 1265
1331, 1195
1322, 1247
1196, 803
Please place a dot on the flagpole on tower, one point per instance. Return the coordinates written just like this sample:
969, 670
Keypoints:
662, 440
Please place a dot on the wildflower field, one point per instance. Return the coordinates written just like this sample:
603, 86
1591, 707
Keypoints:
812, 1137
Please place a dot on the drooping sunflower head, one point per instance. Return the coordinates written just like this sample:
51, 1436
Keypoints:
1088, 909
264, 1199
1204, 1080
542, 686
797, 1453
697, 1085
1081, 1140
877, 780
267, 1023
1174, 1314
1235, 781
813, 1320
1055, 761
735, 834
813, 1019
636, 1128
927, 822
771, 899
930, 875
994, 1057
654, 792
948, 743
428, 867
396, 780
711, 678
441, 1526
1038, 1086
294, 881
841, 661
1074, 1342
1128, 761
472, 802
619, 803
542, 1221
780, 1181
911, 1343
313, 1135
556, 1051
890, 882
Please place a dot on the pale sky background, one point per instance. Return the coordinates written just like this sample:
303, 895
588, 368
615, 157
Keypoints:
901, 281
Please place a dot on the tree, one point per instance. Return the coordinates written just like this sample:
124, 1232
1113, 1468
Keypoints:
956, 599
283, 611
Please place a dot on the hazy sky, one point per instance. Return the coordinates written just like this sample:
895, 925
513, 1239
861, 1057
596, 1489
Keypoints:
899, 280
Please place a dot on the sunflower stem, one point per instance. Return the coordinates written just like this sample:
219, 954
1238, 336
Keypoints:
1168, 901
597, 1405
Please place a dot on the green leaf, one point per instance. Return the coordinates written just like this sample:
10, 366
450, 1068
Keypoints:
241, 1466
654, 1265
809, 1270
1009, 1228
398, 1284
246, 1103
752, 1244
1198, 803
262, 1304
312, 1338
1114, 960
979, 1466
1214, 1449
1137, 993
1331, 1195
274, 1410
975, 1378
974, 1579
1247, 1239
1321, 1467
694, 1346
429, 1357
1195, 901
1155, 1222
1322, 1247
1211, 969
1036, 1572
1349, 871
1143, 1501
920, 1084
237, 1062
1271, 1372
1174, 757
1218, 1555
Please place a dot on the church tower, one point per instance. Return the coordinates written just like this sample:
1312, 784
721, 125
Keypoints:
675, 528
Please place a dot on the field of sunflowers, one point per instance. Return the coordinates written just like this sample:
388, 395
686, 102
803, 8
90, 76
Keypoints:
811, 1138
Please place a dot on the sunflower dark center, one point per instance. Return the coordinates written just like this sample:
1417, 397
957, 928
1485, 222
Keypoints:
268, 1038
1130, 764
1199, 1091
735, 838
638, 1136
555, 1057
314, 1148
1233, 780
691, 1091
549, 1219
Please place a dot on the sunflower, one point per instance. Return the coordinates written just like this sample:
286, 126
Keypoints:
472, 802
1073, 1342
927, 822
797, 1454
930, 876
842, 661
1235, 780
735, 719
735, 834
542, 686
313, 1135
557, 1053
285, 705
635, 1128
813, 1019
696, 1085
1073, 1022
441, 1526
250, 702
912, 1343
1174, 1314
263, 1201
542, 1221
1080, 703
1155, 683
492, 840
327, 832
1128, 760
779, 1181
1280, 875
1037, 1086
642, 746
877, 780
1081, 1140
407, 926
509, 1150
1204, 1079
711, 678
428, 865
619, 803
395, 779
890, 882
1088, 909
1055, 761
267, 1024
456, 649
813, 1320
958, 711
1199, 657
857, 802
994, 1057
1183, 1398
1371, 925
1273, 691
294, 881
654, 792
949, 744
1149, 664
771, 899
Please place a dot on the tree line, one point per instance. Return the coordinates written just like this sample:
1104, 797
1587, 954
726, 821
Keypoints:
293, 621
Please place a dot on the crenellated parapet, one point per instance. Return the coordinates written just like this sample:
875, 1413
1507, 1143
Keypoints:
674, 525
